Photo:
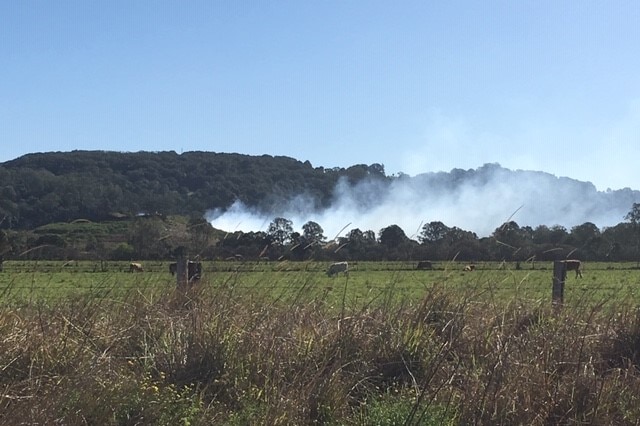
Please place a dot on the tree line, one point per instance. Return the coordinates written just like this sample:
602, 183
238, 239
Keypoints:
437, 241
161, 237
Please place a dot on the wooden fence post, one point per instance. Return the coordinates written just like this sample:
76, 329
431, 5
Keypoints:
559, 277
182, 273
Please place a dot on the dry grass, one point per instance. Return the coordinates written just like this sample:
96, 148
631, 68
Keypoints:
216, 357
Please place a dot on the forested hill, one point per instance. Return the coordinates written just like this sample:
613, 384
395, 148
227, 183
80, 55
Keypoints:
37, 189
42, 188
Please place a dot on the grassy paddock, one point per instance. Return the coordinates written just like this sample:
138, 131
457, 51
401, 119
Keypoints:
368, 282
282, 343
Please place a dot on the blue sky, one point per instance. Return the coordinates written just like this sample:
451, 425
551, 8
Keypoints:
417, 86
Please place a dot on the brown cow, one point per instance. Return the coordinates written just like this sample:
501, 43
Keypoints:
574, 265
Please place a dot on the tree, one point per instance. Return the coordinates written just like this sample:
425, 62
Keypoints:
280, 231
123, 251
634, 218
4, 246
395, 243
392, 236
541, 234
634, 214
361, 245
355, 236
313, 233
461, 243
433, 232
200, 234
544, 235
247, 244
508, 240
509, 233
621, 242
586, 238
146, 238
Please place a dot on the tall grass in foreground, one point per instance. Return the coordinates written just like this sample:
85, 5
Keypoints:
219, 356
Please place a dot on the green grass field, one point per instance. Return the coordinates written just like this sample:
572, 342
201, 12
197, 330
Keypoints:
367, 282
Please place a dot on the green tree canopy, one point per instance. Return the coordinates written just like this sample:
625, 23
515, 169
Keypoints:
280, 230
313, 233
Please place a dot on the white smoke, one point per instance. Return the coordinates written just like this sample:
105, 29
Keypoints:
476, 200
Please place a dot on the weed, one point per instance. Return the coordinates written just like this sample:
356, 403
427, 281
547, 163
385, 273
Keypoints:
282, 348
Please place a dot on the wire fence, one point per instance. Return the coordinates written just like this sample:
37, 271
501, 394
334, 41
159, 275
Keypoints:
51, 277
39, 266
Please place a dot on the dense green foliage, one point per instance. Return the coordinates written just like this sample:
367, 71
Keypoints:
37, 189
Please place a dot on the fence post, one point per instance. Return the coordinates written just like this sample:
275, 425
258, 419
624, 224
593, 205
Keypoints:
182, 273
559, 277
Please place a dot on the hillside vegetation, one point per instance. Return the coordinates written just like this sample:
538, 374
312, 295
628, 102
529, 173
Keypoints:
37, 189
123, 206
42, 188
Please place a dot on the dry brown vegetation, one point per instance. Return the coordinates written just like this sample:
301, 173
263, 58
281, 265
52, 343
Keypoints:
218, 357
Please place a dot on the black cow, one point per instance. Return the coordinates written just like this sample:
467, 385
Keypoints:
424, 264
574, 265
194, 270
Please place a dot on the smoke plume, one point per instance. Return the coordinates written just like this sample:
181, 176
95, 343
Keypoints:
474, 200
